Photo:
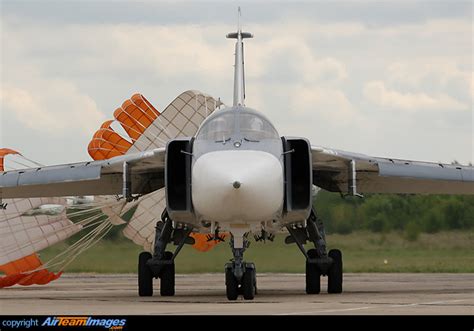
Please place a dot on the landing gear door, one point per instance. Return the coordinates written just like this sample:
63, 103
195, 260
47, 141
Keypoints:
298, 178
178, 179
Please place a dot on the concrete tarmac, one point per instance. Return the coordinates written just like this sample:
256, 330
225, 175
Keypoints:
280, 294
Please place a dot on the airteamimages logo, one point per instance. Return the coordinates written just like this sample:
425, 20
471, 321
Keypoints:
85, 321
62, 322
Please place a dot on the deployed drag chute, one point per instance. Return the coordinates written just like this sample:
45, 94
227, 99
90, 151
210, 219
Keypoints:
29, 225
145, 129
33, 224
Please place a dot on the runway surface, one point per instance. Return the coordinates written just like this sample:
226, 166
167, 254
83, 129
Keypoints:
280, 294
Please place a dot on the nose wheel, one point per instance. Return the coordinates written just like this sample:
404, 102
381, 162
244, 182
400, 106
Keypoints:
249, 282
246, 286
240, 276
231, 284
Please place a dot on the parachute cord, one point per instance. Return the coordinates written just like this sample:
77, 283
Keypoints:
75, 227
78, 247
34, 221
63, 256
82, 244
94, 240
22, 164
34, 162
41, 237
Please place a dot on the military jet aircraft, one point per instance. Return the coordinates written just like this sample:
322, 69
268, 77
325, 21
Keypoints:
237, 175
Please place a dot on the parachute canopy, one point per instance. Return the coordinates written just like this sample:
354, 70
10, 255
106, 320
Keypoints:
145, 128
28, 226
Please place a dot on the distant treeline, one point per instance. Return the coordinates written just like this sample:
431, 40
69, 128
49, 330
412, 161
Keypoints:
411, 214
382, 213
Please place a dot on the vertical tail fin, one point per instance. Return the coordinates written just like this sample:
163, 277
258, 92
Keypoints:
239, 76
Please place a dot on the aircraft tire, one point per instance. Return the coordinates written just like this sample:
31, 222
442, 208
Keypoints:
231, 285
167, 277
145, 277
313, 276
249, 284
335, 277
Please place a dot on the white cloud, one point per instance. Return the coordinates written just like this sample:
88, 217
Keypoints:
471, 84
301, 72
329, 104
431, 28
435, 73
53, 107
291, 58
327, 70
171, 50
380, 95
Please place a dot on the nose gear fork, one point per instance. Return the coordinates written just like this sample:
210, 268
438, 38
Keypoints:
240, 276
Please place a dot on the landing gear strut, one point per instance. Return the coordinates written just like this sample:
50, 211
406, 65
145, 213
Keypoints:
240, 276
318, 261
161, 263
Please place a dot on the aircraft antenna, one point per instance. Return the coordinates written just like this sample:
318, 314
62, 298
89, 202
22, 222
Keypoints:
239, 13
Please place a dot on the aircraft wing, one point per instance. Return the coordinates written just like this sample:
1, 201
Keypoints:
105, 177
347, 172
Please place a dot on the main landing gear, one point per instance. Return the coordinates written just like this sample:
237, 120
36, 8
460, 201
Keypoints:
161, 263
240, 276
318, 261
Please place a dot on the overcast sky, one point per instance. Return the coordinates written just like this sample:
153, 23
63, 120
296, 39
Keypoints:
390, 78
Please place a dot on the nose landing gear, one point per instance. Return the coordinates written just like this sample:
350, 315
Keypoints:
240, 276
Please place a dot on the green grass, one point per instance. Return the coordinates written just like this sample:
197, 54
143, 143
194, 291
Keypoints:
362, 252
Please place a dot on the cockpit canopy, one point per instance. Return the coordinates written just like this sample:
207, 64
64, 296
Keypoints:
241, 123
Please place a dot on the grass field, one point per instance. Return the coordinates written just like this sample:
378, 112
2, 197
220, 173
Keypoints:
362, 252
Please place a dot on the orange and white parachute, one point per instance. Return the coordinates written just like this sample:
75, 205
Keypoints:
146, 128
28, 226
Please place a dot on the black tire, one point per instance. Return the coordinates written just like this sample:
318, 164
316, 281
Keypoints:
335, 277
167, 277
255, 281
145, 276
313, 276
231, 285
248, 284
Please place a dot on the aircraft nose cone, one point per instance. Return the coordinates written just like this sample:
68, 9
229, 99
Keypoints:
244, 186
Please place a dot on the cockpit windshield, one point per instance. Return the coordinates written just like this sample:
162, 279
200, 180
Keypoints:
253, 127
219, 128
238, 125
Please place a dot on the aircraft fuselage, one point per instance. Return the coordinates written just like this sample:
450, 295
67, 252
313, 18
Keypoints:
237, 170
